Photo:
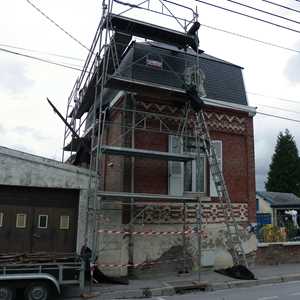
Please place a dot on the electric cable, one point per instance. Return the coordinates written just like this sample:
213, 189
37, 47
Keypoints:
279, 108
263, 11
57, 25
250, 38
278, 98
41, 59
42, 52
282, 6
248, 16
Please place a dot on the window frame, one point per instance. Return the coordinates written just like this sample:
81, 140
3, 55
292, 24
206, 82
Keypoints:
213, 189
193, 167
1, 219
60, 222
39, 219
25, 220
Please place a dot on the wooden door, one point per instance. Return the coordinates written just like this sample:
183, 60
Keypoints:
42, 238
65, 229
15, 232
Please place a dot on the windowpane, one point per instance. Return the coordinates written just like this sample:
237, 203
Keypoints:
200, 176
64, 222
1, 218
193, 182
188, 177
21, 221
43, 221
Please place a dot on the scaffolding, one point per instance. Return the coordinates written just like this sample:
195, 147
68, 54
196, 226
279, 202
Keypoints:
106, 77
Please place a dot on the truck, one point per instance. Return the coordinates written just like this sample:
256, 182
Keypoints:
38, 276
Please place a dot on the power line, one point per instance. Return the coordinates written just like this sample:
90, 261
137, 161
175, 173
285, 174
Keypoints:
58, 26
278, 117
278, 98
248, 16
40, 59
250, 38
263, 11
42, 52
282, 6
279, 108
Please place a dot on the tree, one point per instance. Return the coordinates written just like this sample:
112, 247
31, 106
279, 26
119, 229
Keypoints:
284, 172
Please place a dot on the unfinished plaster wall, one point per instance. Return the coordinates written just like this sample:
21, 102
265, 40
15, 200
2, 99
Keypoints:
23, 169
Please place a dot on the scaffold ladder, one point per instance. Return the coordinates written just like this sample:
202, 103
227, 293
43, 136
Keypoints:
204, 143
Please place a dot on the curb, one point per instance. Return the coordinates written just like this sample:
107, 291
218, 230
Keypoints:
251, 283
190, 286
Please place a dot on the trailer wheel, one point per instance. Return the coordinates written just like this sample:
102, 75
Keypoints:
7, 292
38, 290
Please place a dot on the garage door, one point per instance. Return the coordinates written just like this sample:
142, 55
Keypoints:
38, 219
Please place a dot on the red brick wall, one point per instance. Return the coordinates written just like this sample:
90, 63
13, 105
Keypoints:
151, 176
278, 254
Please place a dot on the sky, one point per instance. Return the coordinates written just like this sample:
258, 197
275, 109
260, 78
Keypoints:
27, 123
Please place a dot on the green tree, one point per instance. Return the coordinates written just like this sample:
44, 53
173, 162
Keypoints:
284, 172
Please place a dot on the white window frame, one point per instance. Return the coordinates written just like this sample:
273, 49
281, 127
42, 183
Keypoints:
213, 189
39, 222
177, 177
25, 220
61, 223
194, 184
1, 218
194, 174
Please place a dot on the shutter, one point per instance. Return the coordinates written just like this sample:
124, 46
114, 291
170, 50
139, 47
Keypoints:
175, 168
218, 150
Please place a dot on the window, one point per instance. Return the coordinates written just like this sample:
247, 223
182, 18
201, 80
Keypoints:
64, 222
182, 176
21, 220
43, 221
191, 182
1, 219
218, 150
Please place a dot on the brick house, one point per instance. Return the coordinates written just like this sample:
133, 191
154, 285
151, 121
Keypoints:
144, 116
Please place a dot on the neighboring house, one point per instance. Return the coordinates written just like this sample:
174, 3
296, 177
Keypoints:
276, 208
150, 99
42, 204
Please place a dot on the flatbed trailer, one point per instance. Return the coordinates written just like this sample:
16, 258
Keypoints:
38, 277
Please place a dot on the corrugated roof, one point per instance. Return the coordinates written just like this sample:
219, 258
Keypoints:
277, 199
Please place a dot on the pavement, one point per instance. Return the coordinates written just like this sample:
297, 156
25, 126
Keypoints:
172, 284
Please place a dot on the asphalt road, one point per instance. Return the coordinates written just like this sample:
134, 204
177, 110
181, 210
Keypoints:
282, 291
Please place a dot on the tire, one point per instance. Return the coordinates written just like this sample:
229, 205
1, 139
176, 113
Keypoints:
37, 291
7, 292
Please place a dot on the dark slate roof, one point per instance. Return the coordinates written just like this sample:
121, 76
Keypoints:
223, 80
277, 199
192, 52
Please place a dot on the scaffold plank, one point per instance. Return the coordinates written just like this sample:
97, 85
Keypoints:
142, 196
133, 152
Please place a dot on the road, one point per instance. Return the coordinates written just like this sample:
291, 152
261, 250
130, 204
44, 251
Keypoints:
283, 291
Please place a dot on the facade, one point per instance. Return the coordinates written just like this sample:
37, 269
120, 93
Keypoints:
277, 208
140, 130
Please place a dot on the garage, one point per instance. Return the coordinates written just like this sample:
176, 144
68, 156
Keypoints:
43, 204
38, 219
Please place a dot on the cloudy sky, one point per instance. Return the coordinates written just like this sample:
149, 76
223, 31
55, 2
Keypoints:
27, 123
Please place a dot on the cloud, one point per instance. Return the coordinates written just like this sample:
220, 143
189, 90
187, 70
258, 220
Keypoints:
34, 133
293, 66
14, 78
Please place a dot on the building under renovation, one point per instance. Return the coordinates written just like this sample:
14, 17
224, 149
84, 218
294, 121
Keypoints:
168, 132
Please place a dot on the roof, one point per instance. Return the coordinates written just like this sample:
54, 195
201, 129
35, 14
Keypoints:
202, 54
221, 80
277, 199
